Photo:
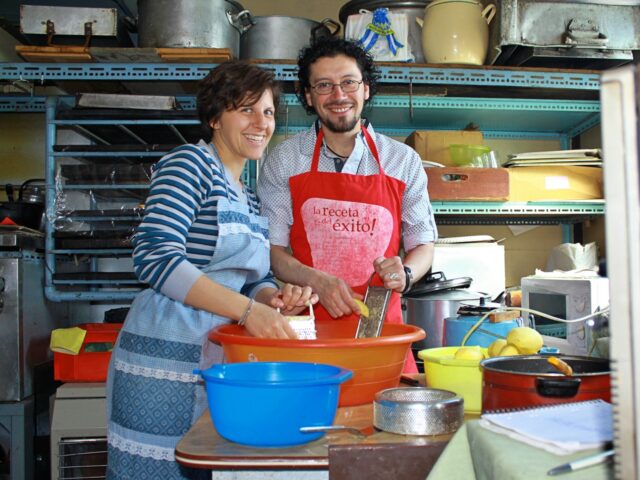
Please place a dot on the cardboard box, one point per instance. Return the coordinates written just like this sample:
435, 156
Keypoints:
483, 262
433, 145
468, 183
554, 183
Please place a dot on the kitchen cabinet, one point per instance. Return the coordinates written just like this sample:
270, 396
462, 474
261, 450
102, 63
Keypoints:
88, 246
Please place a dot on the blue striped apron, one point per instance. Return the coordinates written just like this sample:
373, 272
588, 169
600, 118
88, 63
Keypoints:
153, 397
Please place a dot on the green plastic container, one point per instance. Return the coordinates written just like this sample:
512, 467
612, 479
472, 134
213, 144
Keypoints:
467, 155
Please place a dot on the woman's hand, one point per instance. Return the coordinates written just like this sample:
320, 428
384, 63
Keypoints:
292, 299
265, 322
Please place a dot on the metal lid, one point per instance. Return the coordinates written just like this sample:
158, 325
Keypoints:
354, 6
236, 7
437, 282
440, 2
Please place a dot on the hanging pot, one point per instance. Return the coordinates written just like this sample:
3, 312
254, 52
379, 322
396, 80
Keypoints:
432, 300
281, 38
192, 23
526, 381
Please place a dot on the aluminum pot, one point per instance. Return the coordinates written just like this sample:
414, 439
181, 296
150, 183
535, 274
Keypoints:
527, 381
434, 299
280, 37
192, 23
411, 8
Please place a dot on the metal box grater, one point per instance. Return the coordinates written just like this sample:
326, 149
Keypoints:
377, 300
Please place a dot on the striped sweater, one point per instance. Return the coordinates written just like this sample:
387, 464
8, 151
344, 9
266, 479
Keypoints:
179, 231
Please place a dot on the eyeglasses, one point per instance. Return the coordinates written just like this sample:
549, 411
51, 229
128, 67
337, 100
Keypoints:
347, 86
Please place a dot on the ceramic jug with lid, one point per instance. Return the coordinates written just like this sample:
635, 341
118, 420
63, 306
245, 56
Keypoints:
456, 31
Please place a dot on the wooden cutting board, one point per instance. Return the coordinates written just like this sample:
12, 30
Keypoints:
68, 54
61, 54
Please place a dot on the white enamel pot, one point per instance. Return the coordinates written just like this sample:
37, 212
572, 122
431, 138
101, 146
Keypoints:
456, 31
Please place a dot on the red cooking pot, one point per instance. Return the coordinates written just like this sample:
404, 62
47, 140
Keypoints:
526, 381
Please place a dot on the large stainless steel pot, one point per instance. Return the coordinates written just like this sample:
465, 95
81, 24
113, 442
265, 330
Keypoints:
411, 8
432, 300
192, 23
279, 37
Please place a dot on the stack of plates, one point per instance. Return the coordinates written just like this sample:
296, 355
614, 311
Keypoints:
584, 158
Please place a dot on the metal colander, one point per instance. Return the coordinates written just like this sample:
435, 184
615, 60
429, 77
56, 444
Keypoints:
417, 411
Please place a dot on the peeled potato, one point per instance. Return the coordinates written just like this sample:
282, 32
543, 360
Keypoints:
508, 350
364, 310
496, 347
527, 340
468, 353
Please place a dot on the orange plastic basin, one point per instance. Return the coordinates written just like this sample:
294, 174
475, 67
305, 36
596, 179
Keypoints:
376, 363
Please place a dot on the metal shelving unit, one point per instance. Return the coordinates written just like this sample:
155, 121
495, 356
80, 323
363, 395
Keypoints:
406, 102
397, 73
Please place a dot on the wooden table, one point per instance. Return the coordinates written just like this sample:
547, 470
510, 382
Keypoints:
337, 455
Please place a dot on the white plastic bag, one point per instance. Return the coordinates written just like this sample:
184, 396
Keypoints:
573, 256
357, 27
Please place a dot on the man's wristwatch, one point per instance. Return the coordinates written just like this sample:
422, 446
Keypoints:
408, 276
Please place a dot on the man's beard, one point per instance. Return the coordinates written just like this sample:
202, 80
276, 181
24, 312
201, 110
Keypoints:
343, 126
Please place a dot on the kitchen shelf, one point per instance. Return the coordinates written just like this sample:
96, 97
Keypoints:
395, 73
393, 115
504, 103
517, 213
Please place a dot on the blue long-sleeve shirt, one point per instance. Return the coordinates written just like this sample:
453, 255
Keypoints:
179, 231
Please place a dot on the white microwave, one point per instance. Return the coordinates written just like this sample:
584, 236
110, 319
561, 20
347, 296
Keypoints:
568, 298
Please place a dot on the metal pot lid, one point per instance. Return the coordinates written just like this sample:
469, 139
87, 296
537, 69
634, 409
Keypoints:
354, 6
437, 282
455, 294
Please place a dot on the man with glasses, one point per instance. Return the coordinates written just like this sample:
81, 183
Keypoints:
342, 197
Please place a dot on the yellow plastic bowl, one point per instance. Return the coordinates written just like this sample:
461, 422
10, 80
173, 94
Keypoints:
464, 155
464, 377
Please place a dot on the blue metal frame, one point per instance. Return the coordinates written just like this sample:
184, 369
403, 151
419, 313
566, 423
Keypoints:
22, 104
401, 73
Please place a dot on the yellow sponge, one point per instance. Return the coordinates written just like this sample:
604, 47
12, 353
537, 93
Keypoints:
67, 340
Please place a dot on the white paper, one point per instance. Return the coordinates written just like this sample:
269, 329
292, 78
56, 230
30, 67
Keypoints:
561, 429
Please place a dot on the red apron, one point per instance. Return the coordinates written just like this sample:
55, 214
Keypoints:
343, 222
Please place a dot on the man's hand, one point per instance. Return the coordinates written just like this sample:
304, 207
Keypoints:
391, 271
336, 296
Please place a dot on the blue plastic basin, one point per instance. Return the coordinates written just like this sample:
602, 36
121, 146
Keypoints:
264, 404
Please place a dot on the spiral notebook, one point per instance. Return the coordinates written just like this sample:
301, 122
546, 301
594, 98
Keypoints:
561, 429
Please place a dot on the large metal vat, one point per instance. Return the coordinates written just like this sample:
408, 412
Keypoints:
192, 23
280, 37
